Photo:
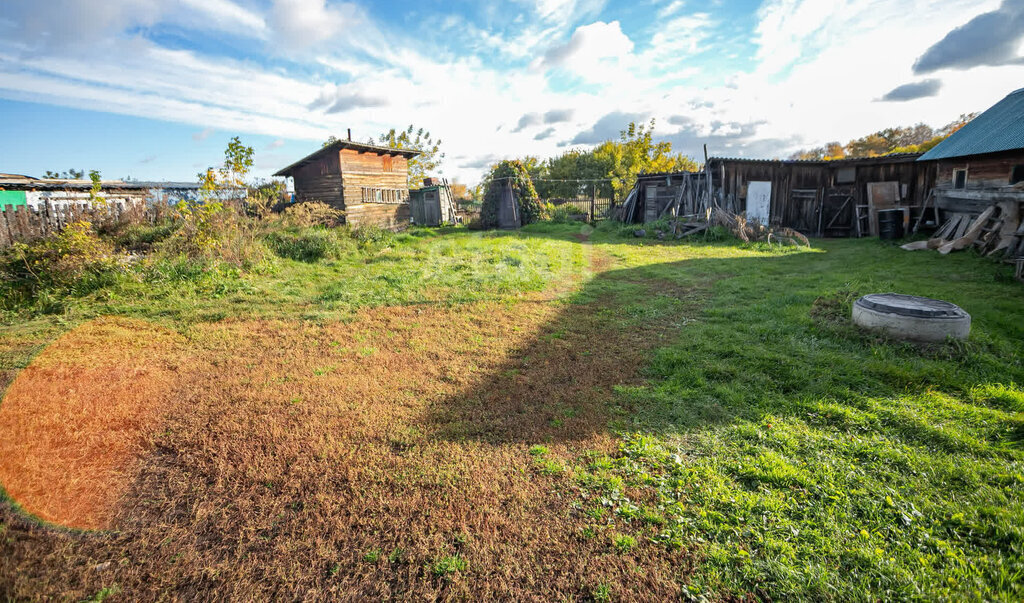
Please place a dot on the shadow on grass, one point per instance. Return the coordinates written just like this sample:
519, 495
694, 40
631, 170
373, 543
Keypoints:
712, 340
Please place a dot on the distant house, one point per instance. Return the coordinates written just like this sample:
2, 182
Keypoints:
983, 162
36, 193
369, 183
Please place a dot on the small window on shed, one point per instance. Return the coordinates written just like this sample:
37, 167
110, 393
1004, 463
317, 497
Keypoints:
1017, 174
389, 163
846, 175
960, 179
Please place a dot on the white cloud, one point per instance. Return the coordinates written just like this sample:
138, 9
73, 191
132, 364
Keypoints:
595, 52
818, 67
299, 24
671, 8
202, 134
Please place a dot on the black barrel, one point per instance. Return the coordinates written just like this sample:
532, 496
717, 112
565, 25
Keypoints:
890, 224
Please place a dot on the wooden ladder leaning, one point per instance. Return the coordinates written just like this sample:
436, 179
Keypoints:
862, 219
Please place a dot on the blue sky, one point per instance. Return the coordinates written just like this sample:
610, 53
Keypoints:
154, 89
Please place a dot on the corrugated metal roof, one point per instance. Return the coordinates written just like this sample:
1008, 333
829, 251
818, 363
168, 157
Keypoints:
891, 158
1001, 128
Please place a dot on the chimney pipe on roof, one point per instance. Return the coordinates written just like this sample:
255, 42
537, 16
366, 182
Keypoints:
350, 134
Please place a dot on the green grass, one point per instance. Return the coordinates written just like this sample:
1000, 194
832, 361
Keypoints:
793, 456
803, 459
322, 277
444, 566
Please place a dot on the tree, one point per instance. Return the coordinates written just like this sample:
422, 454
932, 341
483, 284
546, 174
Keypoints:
918, 138
71, 174
414, 139
637, 153
460, 192
96, 188
232, 173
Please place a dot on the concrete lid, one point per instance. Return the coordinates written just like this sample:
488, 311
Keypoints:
910, 305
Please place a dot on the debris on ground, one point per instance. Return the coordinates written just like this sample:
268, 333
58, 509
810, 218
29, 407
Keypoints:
997, 229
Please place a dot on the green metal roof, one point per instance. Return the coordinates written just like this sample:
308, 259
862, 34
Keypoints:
1001, 128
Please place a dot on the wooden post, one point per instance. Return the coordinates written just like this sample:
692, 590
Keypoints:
593, 202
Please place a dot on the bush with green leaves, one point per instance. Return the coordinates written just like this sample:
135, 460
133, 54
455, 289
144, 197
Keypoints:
75, 261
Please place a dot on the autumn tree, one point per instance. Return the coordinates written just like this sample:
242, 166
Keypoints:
637, 153
918, 138
238, 161
415, 139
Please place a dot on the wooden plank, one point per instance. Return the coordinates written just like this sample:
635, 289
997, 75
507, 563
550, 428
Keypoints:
970, 234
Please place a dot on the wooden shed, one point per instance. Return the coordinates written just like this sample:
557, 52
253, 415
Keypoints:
369, 183
824, 198
432, 205
983, 162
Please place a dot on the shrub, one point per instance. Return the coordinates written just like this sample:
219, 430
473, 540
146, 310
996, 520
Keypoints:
563, 214
371, 235
74, 261
312, 213
142, 238
211, 233
306, 245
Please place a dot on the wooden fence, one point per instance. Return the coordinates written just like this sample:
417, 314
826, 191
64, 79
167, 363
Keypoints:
24, 223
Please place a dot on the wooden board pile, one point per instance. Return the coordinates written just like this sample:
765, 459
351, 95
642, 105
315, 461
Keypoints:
998, 229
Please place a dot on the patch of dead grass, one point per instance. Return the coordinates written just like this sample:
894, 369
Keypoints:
293, 450
75, 419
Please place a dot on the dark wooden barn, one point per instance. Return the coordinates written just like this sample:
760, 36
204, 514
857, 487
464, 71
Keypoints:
369, 183
824, 198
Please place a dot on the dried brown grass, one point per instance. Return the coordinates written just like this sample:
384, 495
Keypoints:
294, 451
77, 417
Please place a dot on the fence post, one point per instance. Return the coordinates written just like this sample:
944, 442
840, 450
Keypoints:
593, 202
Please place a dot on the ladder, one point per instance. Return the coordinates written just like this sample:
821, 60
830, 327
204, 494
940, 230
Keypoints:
862, 219
929, 203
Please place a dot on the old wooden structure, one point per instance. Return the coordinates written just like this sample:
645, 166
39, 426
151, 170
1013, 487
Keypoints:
979, 189
824, 198
983, 162
369, 183
433, 205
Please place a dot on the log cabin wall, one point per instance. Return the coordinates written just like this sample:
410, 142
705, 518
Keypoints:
320, 180
375, 188
989, 178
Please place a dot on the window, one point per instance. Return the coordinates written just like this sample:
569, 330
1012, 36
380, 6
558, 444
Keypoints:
1017, 174
960, 179
846, 175
389, 163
